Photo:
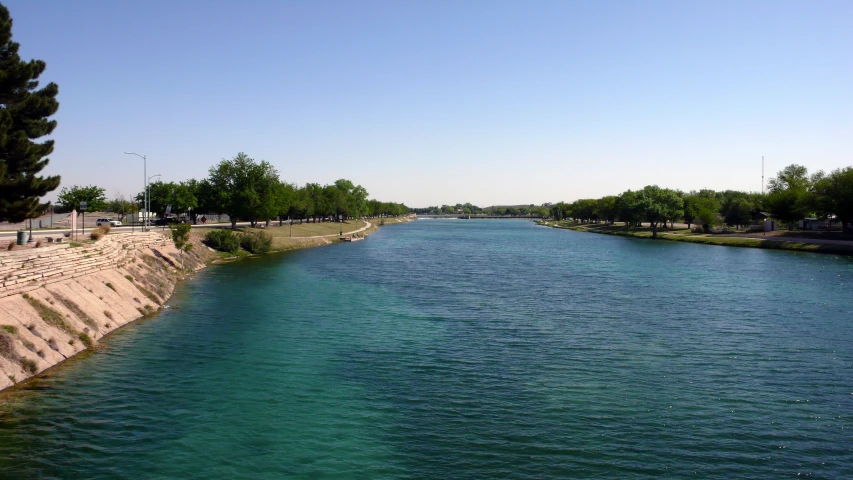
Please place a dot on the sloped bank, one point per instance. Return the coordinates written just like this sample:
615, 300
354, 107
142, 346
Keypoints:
58, 301
707, 239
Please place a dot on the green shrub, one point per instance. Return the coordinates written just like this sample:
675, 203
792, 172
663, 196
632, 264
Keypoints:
256, 243
222, 240
10, 328
28, 365
86, 339
110, 286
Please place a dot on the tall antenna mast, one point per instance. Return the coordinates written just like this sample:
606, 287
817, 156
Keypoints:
762, 174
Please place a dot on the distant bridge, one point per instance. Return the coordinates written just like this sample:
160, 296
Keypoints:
483, 217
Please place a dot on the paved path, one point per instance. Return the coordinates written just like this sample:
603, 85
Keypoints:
345, 233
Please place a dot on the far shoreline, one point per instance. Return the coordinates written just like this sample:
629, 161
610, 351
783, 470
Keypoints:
729, 240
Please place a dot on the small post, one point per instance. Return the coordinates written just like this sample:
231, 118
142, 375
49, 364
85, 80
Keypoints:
83, 205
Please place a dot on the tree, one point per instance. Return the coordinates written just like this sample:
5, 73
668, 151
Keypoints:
788, 199
243, 188
630, 208
181, 238
120, 205
181, 196
70, 198
834, 196
608, 208
706, 211
658, 205
792, 176
737, 209
24, 112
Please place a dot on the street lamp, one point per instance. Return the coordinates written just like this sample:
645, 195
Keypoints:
148, 208
145, 178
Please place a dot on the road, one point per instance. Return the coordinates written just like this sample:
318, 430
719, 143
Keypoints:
123, 229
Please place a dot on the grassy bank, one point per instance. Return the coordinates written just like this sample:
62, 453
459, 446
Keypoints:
307, 235
685, 235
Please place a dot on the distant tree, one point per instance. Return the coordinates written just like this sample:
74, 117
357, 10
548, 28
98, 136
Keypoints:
707, 211
181, 196
243, 188
181, 239
630, 208
608, 208
284, 201
120, 205
793, 176
789, 199
833, 195
70, 198
24, 112
659, 205
737, 209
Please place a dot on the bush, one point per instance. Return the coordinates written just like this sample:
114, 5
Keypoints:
256, 243
28, 365
98, 233
222, 240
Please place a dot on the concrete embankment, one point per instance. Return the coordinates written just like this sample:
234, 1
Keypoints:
59, 300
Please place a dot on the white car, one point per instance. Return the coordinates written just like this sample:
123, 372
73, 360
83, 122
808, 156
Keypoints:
108, 221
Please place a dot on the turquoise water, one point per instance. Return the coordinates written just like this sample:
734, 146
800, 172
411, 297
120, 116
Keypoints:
465, 349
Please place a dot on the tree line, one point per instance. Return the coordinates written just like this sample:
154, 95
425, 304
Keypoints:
243, 189
469, 209
792, 195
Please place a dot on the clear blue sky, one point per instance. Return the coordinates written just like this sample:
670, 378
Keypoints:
449, 101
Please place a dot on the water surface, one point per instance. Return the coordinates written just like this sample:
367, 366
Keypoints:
465, 349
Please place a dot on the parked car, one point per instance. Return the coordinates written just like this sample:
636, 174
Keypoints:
108, 221
166, 221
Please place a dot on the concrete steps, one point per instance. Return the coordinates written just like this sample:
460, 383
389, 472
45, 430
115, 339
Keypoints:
25, 270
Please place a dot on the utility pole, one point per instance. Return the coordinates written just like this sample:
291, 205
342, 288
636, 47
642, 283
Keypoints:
762, 174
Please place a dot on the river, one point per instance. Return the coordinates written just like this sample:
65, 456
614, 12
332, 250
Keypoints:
464, 349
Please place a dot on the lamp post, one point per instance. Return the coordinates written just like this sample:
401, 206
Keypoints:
145, 177
148, 193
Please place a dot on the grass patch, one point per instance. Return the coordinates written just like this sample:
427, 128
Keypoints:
310, 229
148, 293
75, 244
49, 315
7, 346
86, 339
10, 328
7, 349
28, 365
70, 305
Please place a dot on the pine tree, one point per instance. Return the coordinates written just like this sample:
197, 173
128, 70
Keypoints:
24, 113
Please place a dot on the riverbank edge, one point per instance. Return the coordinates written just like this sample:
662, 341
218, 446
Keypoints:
311, 242
200, 257
717, 241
